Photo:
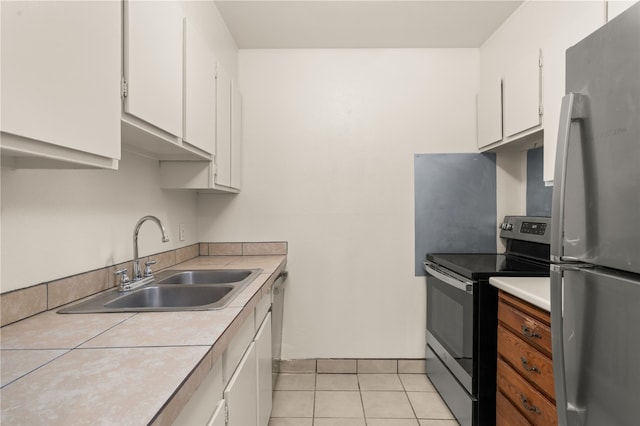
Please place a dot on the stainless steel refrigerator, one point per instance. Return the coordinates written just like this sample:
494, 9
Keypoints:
595, 287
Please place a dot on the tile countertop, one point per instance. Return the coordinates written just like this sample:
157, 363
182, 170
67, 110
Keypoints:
129, 368
533, 290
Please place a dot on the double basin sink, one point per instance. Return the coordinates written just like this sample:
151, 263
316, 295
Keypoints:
172, 290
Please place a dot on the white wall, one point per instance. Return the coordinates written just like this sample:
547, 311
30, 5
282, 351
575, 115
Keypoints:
57, 223
329, 138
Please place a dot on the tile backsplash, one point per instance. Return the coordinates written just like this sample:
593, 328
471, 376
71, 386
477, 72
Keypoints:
23, 303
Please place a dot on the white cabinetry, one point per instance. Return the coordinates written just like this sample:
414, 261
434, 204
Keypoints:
489, 105
509, 98
225, 173
537, 26
236, 136
61, 67
522, 97
223, 127
200, 90
200, 407
249, 393
155, 82
153, 64
240, 394
219, 417
244, 372
562, 24
616, 7
264, 366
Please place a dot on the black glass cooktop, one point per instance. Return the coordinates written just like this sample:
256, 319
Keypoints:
482, 266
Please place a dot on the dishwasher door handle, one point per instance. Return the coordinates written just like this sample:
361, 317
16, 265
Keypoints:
280, 281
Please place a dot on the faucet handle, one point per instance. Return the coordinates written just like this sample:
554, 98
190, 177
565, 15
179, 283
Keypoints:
147, 269
124, 278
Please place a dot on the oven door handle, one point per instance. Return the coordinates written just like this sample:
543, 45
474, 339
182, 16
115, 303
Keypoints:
460, 284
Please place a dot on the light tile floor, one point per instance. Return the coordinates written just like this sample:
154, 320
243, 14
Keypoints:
308, 399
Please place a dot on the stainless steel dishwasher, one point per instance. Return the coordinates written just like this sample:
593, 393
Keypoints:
277, 308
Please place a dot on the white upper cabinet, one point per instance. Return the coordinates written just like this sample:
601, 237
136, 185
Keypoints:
522, 96
616, 7
509, 97
166, 63
200, 90
61, 67
563, 24
489, 106
529, 49
236, 137
153, 63
223, 127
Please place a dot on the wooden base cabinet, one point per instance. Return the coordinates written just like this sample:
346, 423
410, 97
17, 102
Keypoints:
525, 394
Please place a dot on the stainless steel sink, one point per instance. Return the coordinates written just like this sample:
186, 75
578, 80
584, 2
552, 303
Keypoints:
221, 276
172, 290
171, 297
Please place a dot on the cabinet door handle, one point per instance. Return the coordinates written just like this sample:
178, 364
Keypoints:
530, 333
526, 366
528, 406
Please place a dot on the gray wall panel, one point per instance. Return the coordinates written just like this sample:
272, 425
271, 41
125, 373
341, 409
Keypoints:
455, 204
538, 195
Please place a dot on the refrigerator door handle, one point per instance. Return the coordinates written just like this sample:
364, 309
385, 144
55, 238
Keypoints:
573, 108
557, 343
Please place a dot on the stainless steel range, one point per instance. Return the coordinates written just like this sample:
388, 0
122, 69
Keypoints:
462, 315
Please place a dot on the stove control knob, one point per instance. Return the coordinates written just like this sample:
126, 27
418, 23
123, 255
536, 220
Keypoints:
509, 227
503, 226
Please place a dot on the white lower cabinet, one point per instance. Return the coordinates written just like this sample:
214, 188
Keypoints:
238, 389
264, 366
200, 407
240, 394
219, 417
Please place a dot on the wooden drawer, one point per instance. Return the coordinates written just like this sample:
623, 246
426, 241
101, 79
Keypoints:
530, 402
529, 362
507, 414
526, 321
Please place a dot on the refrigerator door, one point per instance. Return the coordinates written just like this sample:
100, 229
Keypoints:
596, 343
598, 159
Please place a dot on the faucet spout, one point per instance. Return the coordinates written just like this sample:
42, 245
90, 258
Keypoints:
137, 274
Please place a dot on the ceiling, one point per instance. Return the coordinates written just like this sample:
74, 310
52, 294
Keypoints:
267, 24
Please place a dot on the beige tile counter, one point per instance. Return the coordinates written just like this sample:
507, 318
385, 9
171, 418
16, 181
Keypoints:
535, 290
120, 369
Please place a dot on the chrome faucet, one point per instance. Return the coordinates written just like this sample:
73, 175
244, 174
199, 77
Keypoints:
137, 274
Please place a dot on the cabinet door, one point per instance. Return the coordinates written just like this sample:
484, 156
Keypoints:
240, 394
263, 359
202, 404
522, 93
616, 7
223, 127
489, 106
236, 136
565, 23
61, 67
200, 90
153, 63
218, 418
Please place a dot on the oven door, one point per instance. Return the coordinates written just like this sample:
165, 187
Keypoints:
450, 315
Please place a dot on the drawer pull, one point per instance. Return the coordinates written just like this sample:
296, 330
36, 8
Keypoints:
529, 333
526, 366
527, 406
